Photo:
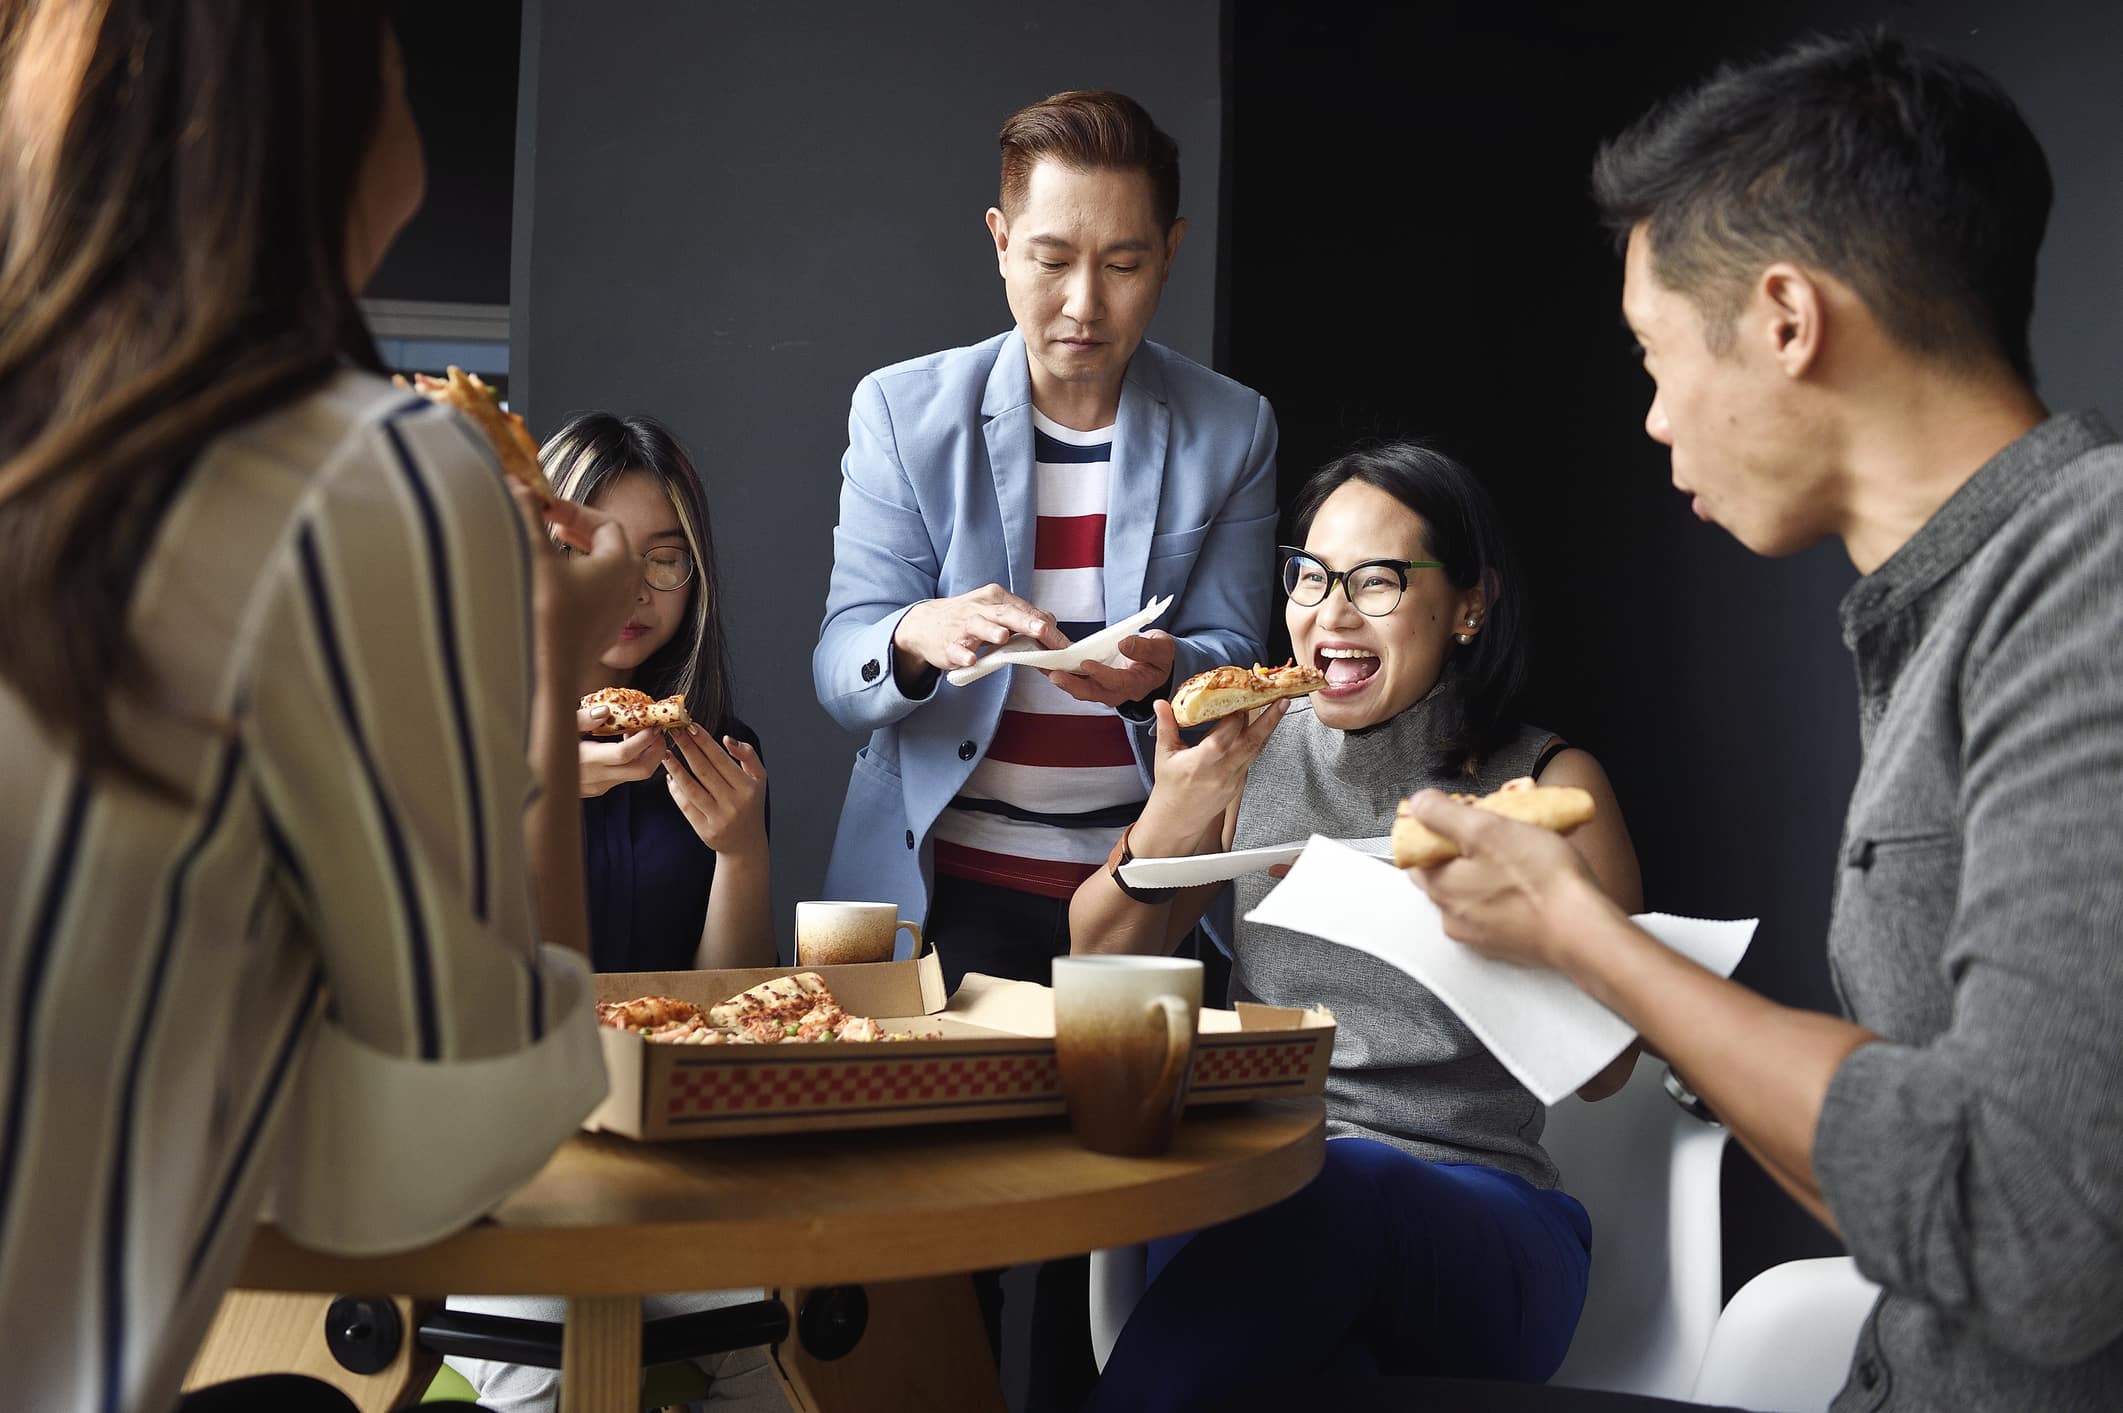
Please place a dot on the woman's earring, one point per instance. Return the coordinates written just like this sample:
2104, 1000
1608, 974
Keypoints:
1466, 636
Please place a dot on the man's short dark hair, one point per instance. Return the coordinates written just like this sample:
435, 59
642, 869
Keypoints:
1090, 130
1905, 174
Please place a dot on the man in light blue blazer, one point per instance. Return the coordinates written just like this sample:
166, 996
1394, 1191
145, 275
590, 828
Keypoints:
1043, 483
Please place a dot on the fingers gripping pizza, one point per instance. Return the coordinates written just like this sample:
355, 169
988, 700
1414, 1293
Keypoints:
511, 439
1223, 690
787, 1010
1558, 807
636, 711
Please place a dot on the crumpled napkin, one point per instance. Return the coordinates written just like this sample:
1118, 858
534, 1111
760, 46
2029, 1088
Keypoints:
1550, 1035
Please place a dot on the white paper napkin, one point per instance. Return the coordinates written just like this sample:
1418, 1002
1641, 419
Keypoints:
1101, 647
1193, 869
1550, 1035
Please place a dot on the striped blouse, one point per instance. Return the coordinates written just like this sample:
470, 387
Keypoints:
1059, 780
336, 609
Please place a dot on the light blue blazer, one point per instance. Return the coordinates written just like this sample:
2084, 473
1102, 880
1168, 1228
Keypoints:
937, 499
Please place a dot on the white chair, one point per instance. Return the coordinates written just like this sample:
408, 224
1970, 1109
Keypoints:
1117, 1281
1785, 1340
1647, 1171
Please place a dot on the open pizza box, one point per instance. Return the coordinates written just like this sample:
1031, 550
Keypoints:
995, 1058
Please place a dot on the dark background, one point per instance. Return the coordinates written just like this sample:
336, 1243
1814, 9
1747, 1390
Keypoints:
461, 73
724, 215
1411, 250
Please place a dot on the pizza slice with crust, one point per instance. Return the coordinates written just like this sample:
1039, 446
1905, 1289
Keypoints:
1558, 807
504, 431
1223, 690
636, 711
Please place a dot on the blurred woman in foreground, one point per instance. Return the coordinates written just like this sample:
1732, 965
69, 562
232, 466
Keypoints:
276, 637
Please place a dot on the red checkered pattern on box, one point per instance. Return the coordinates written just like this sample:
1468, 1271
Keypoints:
1226, 1066
753, 1089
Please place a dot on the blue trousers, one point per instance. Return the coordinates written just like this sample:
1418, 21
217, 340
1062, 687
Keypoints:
1384, 1264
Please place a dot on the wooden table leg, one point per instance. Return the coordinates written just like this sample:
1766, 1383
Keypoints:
925, 1348
600, 1355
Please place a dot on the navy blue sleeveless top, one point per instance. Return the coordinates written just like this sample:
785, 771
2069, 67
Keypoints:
647, 874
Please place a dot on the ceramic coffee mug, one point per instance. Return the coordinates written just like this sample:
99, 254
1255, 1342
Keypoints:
1124, 1041
837, 934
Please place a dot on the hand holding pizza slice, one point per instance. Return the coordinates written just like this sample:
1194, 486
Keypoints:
1561, 808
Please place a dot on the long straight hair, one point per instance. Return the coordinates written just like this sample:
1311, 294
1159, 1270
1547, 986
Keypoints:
589, 452
1476, 706
173, 227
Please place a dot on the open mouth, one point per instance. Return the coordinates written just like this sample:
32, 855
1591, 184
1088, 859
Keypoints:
1346, 668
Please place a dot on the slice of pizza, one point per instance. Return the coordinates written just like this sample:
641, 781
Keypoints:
779, 1002
505, 431
1558, 807
1223, 690
637, 711
694, 1030
646, 1012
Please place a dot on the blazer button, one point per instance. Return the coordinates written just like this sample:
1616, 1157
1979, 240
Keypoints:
966, 750
870, 670
910, 838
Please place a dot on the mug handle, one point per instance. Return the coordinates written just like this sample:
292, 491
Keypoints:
914, 928
1179, 1049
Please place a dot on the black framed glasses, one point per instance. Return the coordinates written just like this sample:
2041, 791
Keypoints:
1373, 587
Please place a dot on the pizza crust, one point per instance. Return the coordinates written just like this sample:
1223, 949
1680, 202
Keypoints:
636, 711
1223, 690
1561, 808
505, 431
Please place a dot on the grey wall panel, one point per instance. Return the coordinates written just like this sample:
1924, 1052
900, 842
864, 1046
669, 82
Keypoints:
727, 213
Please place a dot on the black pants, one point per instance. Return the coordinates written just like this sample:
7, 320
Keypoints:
279, 1393
1002, 932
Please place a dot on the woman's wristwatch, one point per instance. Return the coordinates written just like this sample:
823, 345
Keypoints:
1140, 895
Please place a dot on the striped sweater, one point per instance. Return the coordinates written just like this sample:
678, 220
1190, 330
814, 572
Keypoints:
336, 610
1059, 780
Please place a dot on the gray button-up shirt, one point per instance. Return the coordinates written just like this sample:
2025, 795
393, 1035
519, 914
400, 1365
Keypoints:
1974, 1160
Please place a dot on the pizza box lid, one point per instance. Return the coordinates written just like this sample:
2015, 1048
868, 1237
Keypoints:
995, 1058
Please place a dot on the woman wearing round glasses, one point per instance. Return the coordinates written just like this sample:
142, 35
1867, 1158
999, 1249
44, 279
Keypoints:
1436, 1239
674, 823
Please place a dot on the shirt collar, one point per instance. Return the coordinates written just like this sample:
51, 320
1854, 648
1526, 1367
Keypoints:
1970, 516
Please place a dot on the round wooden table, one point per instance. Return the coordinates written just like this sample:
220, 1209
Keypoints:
610, 1219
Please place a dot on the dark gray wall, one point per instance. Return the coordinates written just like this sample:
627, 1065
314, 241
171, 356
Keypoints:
726, 214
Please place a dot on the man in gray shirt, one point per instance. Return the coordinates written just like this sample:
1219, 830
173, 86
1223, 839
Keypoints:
1830, 268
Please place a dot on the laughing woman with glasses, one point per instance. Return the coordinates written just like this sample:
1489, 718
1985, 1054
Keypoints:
674, 823
1437, 1238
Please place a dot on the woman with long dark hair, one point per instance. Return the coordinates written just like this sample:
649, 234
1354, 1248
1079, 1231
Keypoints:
275, 638
1437, 1238
675, 823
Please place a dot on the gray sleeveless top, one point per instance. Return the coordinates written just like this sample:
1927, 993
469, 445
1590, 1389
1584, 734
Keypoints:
1405, 1071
